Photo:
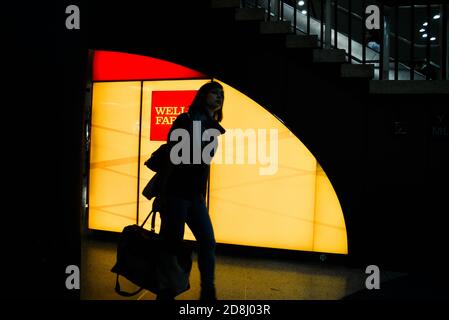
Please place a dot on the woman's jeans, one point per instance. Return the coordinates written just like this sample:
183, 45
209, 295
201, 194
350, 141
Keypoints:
194, 213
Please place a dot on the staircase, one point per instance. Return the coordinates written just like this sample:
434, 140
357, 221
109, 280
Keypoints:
349, 121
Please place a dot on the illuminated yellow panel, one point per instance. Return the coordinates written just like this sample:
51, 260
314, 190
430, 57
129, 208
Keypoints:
114, 154
330, 229
292, 208
285, 201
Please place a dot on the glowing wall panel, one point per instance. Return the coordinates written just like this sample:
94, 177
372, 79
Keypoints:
113, 155
294, 206
110, 65
329, 229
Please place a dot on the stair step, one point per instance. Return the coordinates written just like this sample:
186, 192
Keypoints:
409, 87
217, 4
357, 71
250, 14
275, 27
329, 55
294, 41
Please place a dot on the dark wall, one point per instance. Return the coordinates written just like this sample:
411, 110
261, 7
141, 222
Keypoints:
406, 179
390, 186
44, 123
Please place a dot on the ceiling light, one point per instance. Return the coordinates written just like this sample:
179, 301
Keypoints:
433, 39
425, 24
301, 3
437, 16
424, 35
422, 30
304, 11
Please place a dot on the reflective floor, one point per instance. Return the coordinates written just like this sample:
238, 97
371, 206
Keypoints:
237, 277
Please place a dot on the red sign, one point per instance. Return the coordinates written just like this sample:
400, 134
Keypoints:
165, 107
110, 65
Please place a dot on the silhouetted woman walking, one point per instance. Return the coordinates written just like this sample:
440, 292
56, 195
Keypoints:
193, 140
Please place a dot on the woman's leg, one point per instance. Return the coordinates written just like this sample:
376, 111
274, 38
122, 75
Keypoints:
172, 233
173, 220
199, 222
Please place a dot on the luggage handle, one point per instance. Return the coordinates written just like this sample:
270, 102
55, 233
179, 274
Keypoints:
153, 220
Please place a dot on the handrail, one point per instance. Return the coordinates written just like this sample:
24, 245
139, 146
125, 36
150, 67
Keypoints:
389, 36
355, 15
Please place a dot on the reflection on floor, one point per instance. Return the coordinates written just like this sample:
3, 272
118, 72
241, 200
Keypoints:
237, 278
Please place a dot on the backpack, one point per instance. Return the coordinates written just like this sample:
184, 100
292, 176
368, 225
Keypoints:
158, 158
159, 163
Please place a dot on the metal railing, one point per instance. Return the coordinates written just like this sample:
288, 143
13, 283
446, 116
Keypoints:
411, 42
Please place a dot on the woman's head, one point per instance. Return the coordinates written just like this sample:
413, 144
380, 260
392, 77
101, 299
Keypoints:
209, 98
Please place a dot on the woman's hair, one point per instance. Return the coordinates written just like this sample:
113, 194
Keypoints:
199, 102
